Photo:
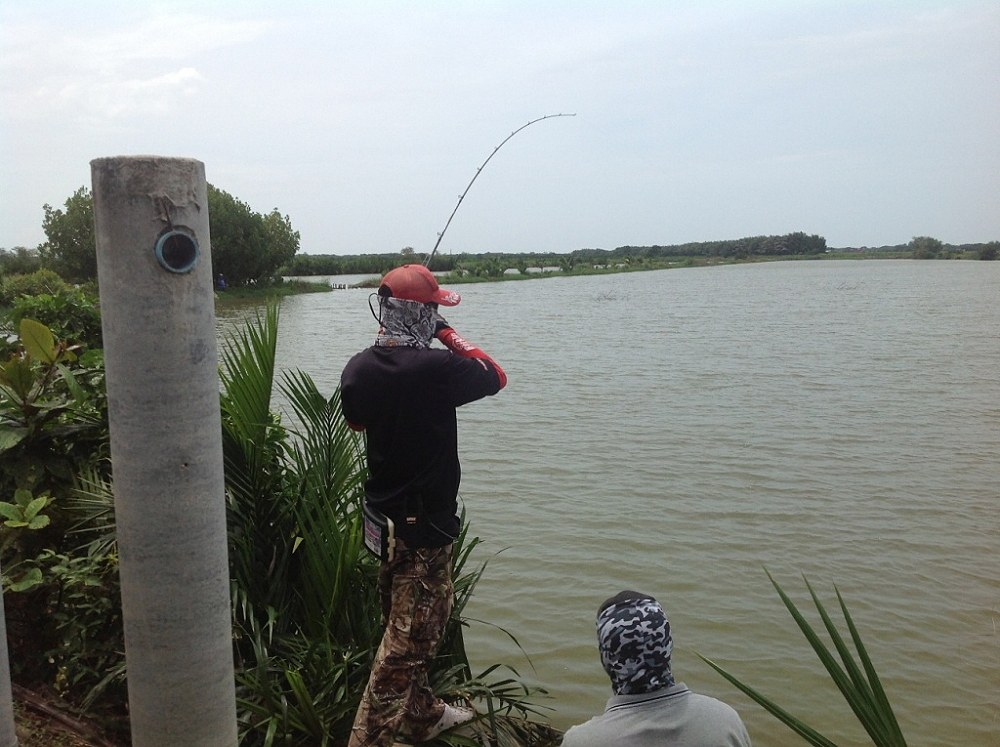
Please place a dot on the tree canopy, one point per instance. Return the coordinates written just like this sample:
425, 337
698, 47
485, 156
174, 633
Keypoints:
925, 247
247, 246
71, 246
19, 261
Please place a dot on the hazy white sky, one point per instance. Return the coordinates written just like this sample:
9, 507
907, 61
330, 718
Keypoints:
866, 122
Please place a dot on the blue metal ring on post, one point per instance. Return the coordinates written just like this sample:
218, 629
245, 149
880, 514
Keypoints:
177, 251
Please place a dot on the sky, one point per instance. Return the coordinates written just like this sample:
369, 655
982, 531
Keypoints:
867, 123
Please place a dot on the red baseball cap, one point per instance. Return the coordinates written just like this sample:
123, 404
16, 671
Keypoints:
417, 283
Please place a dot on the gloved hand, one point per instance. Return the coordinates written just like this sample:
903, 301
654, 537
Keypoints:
452, 340
460, 346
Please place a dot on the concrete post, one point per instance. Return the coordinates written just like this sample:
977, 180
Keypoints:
154, 270
8, 733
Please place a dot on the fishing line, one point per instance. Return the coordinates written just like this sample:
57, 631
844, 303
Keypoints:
476, 176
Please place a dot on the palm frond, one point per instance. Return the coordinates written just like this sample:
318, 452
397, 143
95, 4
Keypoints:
260, 515
860, 686
881, 700
92, 506
336, 575
805, 731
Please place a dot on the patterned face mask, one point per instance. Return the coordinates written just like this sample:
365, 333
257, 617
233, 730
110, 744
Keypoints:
405, 323
633, 636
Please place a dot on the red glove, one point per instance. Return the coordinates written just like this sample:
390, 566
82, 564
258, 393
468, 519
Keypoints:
460, 346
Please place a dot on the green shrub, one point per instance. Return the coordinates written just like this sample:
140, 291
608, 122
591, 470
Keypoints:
53, 428
19, 261
71, 313
13, 287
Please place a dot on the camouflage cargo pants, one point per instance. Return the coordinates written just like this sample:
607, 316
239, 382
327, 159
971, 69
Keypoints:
417, 598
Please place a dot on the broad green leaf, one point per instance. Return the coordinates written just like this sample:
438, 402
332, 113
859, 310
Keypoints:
29, 580
38, 522
19, 376
11, 512
36, 505
22, 497
38, 340
11, 437
72, 384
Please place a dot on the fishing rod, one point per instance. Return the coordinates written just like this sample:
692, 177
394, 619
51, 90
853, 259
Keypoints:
476, 176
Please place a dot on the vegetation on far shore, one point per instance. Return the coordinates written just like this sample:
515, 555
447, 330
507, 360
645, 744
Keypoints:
493, 268
469, 267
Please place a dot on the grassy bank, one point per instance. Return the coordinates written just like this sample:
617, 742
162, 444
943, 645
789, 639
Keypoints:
646, 265
237, 296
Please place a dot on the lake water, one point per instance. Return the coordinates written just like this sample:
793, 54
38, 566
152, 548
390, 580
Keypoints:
678, 431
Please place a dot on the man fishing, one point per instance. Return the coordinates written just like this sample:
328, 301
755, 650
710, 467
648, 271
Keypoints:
402, 394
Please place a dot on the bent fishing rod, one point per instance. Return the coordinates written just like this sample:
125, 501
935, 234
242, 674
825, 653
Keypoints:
476, 176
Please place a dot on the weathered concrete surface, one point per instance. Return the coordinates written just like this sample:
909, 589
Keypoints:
166, 448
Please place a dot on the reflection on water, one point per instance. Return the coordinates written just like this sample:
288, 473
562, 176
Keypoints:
678, 431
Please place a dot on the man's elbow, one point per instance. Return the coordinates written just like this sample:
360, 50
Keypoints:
490, 364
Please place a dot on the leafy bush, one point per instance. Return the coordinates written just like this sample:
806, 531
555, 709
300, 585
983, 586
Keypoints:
13, 287
85, 610
72, 314
53, 413
53, 426
19, 261
22, 516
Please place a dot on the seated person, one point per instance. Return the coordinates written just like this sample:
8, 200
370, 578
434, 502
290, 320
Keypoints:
648, 709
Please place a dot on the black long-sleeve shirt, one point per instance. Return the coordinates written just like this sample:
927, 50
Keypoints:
405, 400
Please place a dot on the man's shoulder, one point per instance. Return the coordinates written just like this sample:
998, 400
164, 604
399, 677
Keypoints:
357, 361
708, 703
676, 713
402, 355
715, 720
591, 733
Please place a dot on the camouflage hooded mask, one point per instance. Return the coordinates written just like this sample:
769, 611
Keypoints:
633, 636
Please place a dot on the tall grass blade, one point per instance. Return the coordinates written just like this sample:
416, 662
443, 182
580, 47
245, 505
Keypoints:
855, 698
894, 733
860, 697
860, 686
795, 724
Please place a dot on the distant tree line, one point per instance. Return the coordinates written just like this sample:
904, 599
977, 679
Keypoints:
493, 264
360, 264
763, 246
